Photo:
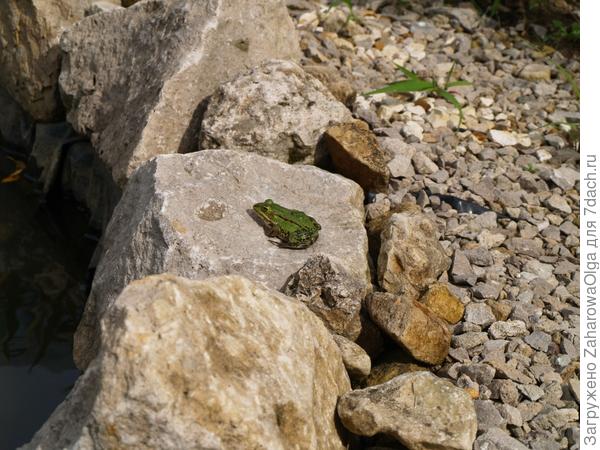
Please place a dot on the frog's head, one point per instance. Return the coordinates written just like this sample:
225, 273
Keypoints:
264, 209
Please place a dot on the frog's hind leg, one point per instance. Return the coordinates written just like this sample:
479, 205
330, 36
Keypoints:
276, 241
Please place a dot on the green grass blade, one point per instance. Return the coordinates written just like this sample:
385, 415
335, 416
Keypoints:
407, 73
403, 86
449, 74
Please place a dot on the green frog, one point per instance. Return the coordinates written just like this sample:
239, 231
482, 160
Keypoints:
293, 228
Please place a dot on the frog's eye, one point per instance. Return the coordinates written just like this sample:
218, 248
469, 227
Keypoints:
269, 201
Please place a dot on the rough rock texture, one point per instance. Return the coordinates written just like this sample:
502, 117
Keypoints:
497, 439
16, 127
440, 301
216, 364
191, 215
90, 182
418, 409
276, 110
536, 72
386, 371
29, 53
356, 154
98, 7
467, 18
411, 257
410, 324
330, 77
138, 94
331, 293
356, 360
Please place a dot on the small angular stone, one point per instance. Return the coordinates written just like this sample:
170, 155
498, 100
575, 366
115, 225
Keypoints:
423, 165
355, 153
558, 203
469, 340
510, 328
535, 72
489, 290
479, 314
511, 414
531, 391
506, 391
443, 303
356, 360
504, 138
488, 415
480, 256
554, 418
411, 325
527, 247
497, 439
565, 177
480, 373
539, 340
462, 272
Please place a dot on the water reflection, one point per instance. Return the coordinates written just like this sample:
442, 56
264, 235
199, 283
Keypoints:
43, 266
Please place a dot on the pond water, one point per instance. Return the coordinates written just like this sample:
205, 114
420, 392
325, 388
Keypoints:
43, 270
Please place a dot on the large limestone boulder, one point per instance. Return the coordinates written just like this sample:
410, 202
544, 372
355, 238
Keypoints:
29, 53
216, 364
418, 409
133, 79
276, 110
411, 257
191, 215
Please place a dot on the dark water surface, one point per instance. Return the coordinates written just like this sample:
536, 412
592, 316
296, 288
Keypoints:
43, 268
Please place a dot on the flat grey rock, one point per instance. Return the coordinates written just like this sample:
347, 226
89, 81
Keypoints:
191, 215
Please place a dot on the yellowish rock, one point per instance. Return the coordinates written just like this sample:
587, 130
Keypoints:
223, 363
411, 325
356, 154
388, 370
443, 303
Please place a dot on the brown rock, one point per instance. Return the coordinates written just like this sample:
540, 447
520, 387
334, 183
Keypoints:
501, 310
411, 258
340, 88
356, 154
443, 303
331, 293
386, 371
411, 325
